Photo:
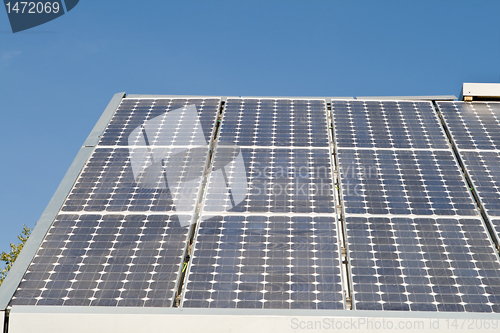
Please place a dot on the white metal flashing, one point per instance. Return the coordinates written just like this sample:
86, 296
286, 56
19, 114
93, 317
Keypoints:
56, 319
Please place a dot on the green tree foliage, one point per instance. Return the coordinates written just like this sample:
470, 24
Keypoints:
10, 257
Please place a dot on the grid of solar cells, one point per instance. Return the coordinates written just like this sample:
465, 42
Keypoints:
415, 238
134, 113
274, 122
270, 262
423, 264
278, 180
107, 182
415, 182
473, 125
387, 124
106, 260
484, 170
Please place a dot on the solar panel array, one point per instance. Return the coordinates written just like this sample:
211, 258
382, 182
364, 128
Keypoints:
414, 236
475, 130
119, 239
278, 247
253, 223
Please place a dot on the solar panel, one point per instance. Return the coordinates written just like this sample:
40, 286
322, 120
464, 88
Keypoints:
120, 237
415, 239
419, 182
276, 247
387, 124
423, 264
484, 169
133, 113
266, 262
108, 182
475, 131
280, 180
472, 125
268, 122
106, 260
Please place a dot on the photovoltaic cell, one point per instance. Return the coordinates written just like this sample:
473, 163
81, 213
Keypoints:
107, 183
269, 122
387, 124
484, 170
423, 264
277, 245
269, 262
106, 260
472, 125
134, 113
403, 182
120, 237
278, 180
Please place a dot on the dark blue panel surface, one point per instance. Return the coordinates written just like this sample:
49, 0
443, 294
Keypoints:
269, 122
484, 170
273, 262
403, 182
423, 264
94, 253
396, 168
107, 182
387, 124
279, 180
135, 113
473, 125
106, 260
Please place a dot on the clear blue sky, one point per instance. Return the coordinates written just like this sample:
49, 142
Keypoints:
56, 79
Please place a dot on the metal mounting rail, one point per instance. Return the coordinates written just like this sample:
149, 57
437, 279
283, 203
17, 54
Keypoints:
199, 203
344, 254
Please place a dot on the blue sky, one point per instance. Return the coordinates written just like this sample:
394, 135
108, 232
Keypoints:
57, 78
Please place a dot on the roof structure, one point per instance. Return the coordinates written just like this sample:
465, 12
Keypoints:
270, 214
